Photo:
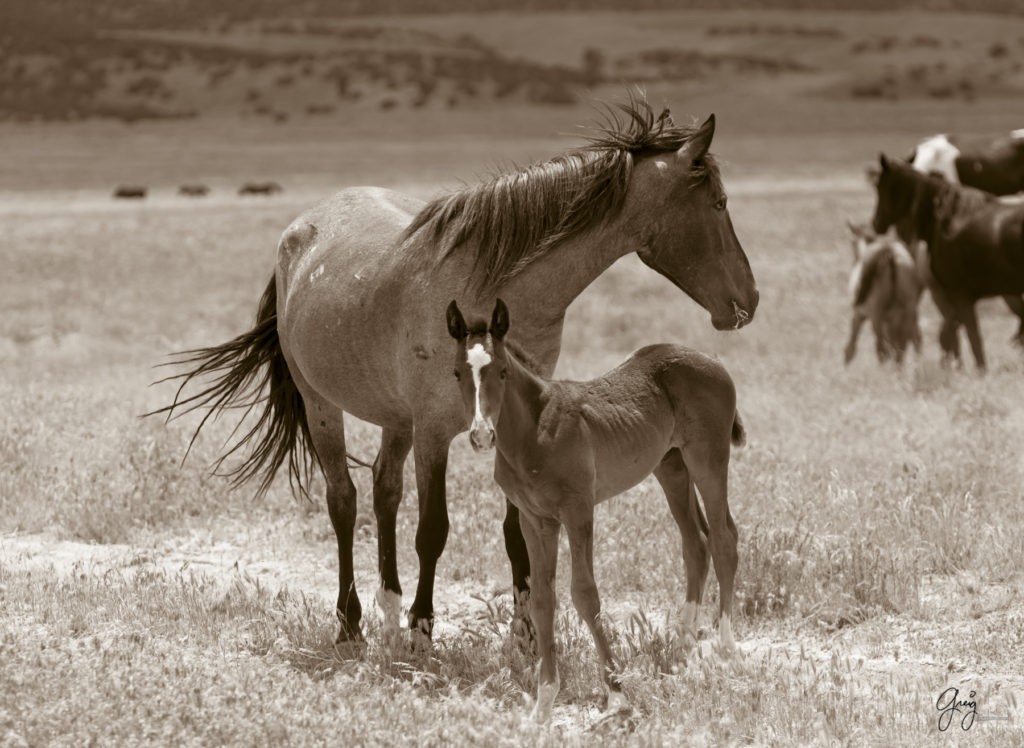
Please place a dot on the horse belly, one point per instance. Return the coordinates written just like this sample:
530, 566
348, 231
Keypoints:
619, 471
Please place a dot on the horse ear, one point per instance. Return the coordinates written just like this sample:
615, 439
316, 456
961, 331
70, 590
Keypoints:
499, 320
872, 173
456, 323
854, 228
883, 162
699, 142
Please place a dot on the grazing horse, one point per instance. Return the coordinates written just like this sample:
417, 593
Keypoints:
975, 243
886, 288
997, 166
349, 322
564, 447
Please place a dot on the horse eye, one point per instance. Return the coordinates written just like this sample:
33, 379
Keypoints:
720, 205
503, 373
458, 374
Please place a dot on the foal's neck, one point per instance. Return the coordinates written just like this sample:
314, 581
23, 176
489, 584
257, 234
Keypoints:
521, 406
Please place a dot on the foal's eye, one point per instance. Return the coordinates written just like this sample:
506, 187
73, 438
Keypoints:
720, 204
458, 374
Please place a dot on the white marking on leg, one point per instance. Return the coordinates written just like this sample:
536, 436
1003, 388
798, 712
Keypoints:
546, 693
725, 640
690, 617
390, 604
617, 702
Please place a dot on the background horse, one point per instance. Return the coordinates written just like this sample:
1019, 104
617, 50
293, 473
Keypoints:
349, 322
993, 166
564, 447
886, 289
975, 243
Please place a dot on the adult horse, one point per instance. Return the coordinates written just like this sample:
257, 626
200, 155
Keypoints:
992, 165
351, 323
975, 242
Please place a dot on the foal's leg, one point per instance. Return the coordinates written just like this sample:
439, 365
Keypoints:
969, 317
851, 345
948, 341
1016, 304
387, 495
709, 466
518, 555
587, 601
675, 481
430, 450
327, 428
541, 535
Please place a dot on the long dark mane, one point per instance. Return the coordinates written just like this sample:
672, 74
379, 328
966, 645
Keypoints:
936, 201
517, 217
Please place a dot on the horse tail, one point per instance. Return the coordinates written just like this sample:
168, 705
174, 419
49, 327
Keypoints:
739, 434
872, 274
251, 370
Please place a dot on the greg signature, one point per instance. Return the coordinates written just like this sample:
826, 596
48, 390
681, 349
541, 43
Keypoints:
949, 704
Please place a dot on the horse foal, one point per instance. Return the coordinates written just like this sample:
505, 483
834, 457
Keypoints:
563, 447
886, 287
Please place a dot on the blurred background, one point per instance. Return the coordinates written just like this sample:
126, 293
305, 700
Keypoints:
318, 94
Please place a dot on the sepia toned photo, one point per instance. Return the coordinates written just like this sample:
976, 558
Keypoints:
491, 373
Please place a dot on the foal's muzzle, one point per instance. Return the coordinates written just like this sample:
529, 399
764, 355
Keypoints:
481, 436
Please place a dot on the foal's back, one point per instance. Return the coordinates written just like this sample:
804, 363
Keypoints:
662, 397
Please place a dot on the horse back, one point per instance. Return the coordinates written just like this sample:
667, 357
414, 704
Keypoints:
981, 253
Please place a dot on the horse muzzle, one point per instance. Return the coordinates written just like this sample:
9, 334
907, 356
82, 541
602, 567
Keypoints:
481, 437
741, 315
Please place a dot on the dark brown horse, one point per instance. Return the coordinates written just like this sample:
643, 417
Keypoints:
565, 447
975, 243
994, 165
349, 321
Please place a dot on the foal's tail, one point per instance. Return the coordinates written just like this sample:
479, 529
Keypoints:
739, 434
250, 370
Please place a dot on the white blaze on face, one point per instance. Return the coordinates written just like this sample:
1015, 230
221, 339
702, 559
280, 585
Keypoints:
1017, 134
937, 155
477, 357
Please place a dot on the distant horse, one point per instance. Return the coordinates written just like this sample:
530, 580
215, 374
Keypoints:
975, 243
260, 188
193, 190
349, 321
130, 192
886, 289
564, 447
995, 166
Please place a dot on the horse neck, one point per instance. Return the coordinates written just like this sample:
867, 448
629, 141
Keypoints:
923, 208
549, 284
520, 407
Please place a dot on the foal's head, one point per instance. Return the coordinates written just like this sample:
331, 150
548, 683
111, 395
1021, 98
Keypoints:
480, 368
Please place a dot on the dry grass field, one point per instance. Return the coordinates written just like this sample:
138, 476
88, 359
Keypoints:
142, 601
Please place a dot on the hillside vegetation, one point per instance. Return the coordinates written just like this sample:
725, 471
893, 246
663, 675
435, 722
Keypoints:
68, 61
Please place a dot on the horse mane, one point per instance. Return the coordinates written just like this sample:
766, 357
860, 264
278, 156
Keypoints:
517, 217
937, 201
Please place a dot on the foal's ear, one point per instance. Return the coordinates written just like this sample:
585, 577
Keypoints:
883, 162
456, 324
499, 320
699, 142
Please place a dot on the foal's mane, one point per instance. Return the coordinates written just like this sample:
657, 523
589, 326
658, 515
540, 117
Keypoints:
517, 217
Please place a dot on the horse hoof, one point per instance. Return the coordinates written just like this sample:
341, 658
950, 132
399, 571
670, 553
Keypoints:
421, 635
524, 637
